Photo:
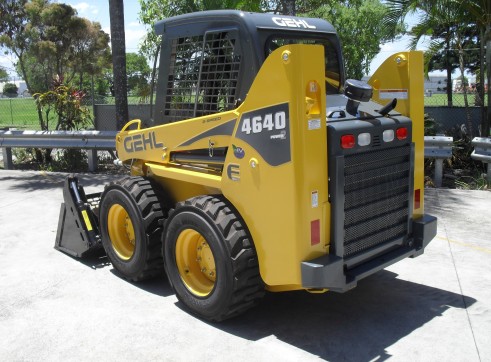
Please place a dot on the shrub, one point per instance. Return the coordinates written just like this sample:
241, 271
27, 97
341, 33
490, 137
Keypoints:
10, 90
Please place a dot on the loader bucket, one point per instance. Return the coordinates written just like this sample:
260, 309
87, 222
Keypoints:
78, 226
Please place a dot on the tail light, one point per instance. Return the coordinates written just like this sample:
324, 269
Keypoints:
347, 141
401, 133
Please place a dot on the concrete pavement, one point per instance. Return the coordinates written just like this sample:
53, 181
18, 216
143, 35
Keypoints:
436, 307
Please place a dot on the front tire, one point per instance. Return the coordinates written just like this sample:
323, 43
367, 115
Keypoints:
131, 216
210, 259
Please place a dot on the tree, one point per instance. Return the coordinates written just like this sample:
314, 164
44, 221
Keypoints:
358, 22
457, 14
480, 12
14, 35
116, 14
4, 76
155, 10
65, 44
445, 24
359, 27
49, 40
138, 72
10, 90
92, 54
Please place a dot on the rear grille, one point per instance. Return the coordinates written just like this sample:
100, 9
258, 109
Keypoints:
376, 192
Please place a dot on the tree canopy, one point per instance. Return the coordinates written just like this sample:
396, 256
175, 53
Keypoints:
358, 22
451, 26
4, 76
49, 39
138, 72
10, 90
359, 27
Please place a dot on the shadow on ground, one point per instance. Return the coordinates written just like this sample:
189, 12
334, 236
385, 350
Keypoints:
39, 181
363, 322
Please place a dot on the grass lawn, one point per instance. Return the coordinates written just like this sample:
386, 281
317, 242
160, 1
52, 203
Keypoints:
21, 112
440, 99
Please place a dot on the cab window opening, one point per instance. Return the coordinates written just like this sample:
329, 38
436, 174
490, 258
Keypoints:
331, 57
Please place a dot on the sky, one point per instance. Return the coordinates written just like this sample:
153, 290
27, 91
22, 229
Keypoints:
98, 10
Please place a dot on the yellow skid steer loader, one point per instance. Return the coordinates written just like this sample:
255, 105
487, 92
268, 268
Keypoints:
262, 168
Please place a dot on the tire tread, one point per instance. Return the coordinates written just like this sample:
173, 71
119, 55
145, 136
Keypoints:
248, 285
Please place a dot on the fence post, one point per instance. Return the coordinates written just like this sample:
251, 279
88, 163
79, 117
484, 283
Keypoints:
482, 152
11, 113
438, 147
7, 158
438, 172
92, 160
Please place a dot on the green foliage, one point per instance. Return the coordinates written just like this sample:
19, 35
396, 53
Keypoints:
138, 72
429, 126
64, 160
69, 160
358, 22
155, 10
4, 76
49, 39
359, 27
449, 26
10, 90
472, 183
63, 105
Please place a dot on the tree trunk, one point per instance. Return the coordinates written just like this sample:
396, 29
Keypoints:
152, 84
487, 123
449, 74
116, 15
470, 130
482, 60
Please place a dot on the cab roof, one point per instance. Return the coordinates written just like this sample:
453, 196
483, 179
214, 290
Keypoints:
191, 23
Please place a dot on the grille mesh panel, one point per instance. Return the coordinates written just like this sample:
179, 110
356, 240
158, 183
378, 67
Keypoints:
203, 76
376, 198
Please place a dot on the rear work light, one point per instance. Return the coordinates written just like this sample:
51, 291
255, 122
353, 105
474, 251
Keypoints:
401, 133
347, 141
364, 139
388, 135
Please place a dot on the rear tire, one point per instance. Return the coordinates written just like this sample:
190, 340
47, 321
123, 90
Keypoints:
131, 217
210, 259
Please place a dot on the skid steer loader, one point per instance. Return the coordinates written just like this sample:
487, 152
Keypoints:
262, 169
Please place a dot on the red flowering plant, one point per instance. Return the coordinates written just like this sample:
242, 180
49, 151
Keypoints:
63, 106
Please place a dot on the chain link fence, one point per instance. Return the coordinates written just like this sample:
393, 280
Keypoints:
21, 112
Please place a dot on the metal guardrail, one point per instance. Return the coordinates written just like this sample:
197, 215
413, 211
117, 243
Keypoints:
92, 141
482, 152
438, 147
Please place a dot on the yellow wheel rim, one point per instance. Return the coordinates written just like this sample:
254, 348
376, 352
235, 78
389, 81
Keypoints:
121, 231
195, 262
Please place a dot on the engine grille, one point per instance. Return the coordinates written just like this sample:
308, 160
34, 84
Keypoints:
376, 192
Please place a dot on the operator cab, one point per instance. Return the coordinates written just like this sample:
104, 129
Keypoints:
209, 59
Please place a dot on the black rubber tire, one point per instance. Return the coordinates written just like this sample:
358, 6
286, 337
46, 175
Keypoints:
140, 199
238, 285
